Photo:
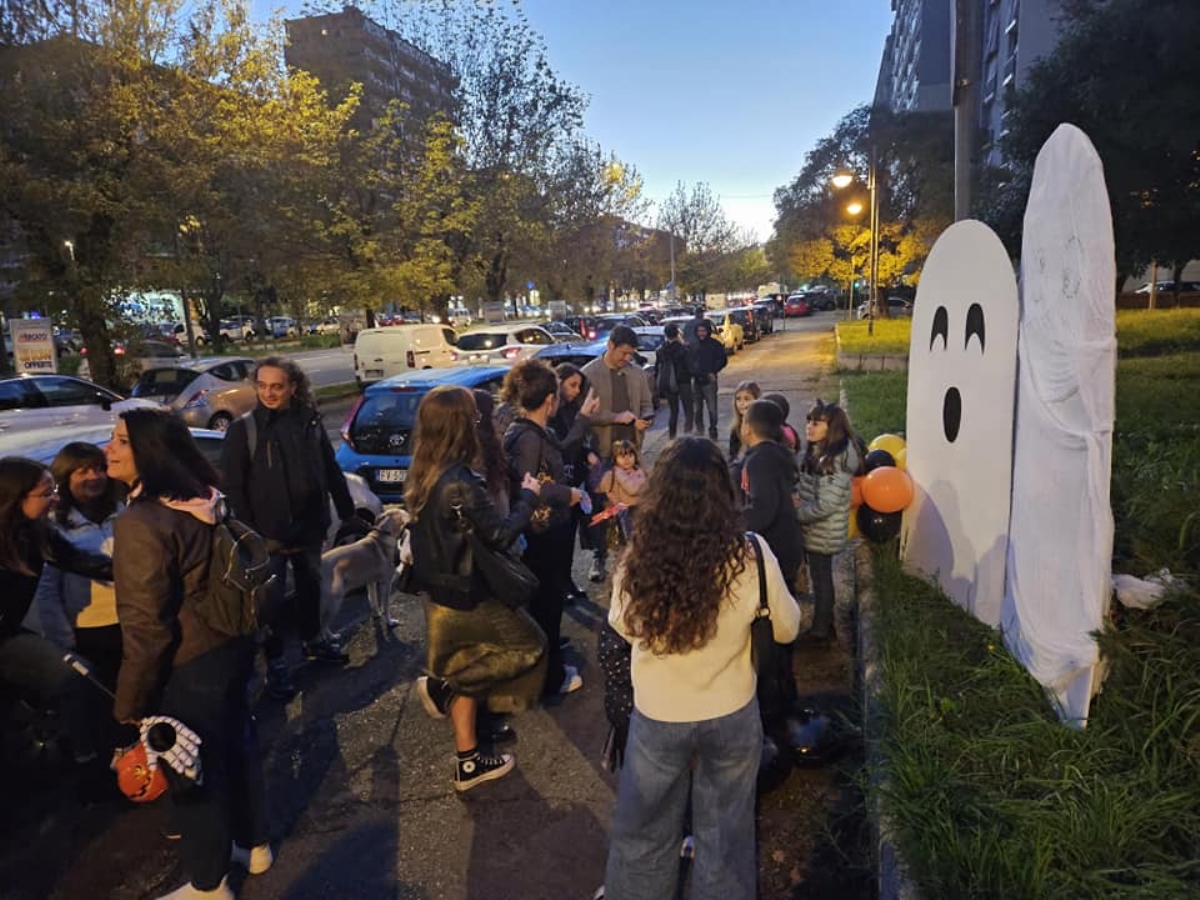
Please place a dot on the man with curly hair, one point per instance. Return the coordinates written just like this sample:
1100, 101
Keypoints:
278, 472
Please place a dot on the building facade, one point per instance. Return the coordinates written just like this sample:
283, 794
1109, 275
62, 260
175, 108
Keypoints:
1016, 34
914, 74
346, 47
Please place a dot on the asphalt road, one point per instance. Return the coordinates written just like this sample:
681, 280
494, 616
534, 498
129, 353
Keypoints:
359, 777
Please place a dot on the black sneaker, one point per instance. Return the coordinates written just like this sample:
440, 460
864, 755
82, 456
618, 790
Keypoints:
325, 651
596, 573
479, 767
435, 695
279, 680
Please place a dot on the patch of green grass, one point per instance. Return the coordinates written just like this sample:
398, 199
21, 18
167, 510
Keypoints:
890, 337
992, 798
1143, 332
877, 401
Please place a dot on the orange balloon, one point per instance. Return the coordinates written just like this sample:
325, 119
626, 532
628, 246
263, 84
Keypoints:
887, 489
856, 491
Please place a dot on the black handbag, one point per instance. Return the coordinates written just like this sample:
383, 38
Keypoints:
776, 684
508, 579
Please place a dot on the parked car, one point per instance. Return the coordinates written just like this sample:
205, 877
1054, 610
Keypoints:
501, 343
1168, 287
380, 353
795, 306
327, 325
748, 319
133, 359
606, 323
29, 403
206, 393
377, 434
898, 308
281, 327
562, 332
584, 326
822, 301
764, 311
44, 445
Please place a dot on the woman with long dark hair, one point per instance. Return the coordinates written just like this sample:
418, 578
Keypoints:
533, 450
826, 473
28, 541
684, 596
176, 664
571, 423
476, 645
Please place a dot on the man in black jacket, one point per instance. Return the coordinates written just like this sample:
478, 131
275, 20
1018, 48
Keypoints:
706, 357
279, 473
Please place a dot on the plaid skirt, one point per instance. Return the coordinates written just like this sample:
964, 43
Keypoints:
491, 652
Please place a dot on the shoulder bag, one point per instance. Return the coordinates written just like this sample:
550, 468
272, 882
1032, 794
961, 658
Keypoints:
508, 579
772, 665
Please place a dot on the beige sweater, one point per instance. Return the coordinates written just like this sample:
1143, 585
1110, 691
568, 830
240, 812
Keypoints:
718, 679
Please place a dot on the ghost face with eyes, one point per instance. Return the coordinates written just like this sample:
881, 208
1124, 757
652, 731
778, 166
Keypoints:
961, 383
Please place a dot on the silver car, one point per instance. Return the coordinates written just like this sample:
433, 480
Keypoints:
206, 393
31, 403
499, 344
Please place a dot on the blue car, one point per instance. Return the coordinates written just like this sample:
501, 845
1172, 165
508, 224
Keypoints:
377, 434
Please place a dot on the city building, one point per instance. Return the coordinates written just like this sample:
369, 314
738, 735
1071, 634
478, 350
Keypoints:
1016, 34
914, 74
346, 47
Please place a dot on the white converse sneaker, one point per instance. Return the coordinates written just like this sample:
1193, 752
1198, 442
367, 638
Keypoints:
254, 860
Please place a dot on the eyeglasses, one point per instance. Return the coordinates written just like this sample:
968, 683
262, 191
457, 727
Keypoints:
47, 494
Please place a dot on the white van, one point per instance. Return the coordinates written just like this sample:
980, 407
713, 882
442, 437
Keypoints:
383, 352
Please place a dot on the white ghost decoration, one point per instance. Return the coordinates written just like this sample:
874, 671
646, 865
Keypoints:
962, 372
1061, 529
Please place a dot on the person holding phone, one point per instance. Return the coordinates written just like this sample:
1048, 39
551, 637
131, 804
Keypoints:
625, 410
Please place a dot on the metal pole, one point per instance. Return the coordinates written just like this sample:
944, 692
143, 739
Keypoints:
874, 262
967, 52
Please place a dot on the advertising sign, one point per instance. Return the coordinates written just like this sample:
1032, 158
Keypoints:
33, 346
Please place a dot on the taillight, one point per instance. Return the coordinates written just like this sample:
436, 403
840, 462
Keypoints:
197, 399
410, 359
345, 429
591, 334
511, 352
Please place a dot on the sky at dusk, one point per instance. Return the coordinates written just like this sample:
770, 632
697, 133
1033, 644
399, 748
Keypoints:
719, 91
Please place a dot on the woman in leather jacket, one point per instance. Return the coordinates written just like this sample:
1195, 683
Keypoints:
477, 646
177, 665
28, 541
534, 450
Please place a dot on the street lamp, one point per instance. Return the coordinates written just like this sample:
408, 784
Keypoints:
844, 179
70, 245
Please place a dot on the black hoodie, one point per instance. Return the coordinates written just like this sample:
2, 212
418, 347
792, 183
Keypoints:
768, 478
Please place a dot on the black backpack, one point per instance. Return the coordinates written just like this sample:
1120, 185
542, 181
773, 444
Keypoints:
239, 576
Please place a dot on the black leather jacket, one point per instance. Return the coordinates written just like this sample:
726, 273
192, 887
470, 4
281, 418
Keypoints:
442, 561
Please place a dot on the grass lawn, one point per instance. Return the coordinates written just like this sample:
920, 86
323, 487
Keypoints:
1139, 333
989, 795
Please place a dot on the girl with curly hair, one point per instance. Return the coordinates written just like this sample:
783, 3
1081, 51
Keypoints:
684, 597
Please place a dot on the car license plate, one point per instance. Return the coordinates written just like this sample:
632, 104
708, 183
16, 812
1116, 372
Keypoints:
391, 476
372, 373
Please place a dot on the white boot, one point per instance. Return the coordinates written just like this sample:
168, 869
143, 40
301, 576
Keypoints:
254, 860
190, 892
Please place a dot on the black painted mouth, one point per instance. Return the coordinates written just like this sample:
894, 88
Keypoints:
952, 414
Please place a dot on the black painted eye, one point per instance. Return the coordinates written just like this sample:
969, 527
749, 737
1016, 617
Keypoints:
941, 327
974, 325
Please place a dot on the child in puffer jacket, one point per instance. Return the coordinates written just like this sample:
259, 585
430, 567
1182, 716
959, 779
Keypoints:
830, 462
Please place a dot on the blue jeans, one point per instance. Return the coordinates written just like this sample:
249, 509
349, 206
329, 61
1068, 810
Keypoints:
715, 763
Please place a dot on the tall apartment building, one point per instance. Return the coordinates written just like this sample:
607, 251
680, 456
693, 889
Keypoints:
1016, 34
914, 75
346, 47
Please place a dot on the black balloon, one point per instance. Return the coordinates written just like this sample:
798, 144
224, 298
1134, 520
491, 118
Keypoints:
878, 527
877, 459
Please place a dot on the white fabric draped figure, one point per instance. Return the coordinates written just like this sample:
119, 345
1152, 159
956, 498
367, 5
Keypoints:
1061, 527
